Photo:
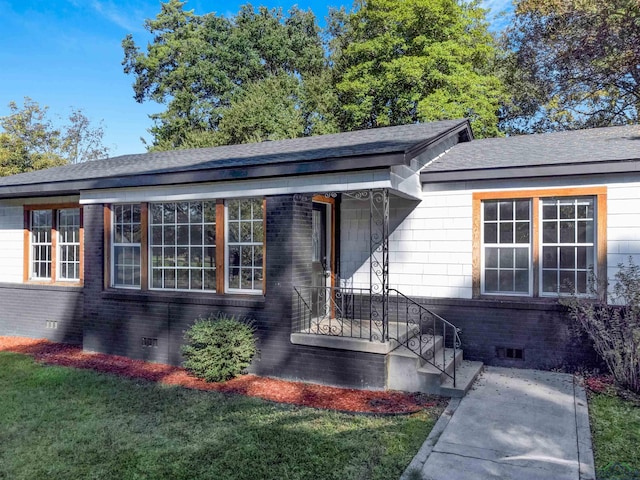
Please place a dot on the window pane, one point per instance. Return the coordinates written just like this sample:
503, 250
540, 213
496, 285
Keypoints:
506, 210
567, 232
506, 280
522, 232
567, 210
491, 257
549, 211
506, 258
491, 280
522, 281
169, 215
506, 233
567, 281
522, 258
491, 233
549, 281
549, 257
550, 232
567, 257
490, 211
522, 210
209, 209
182, 212
196, 235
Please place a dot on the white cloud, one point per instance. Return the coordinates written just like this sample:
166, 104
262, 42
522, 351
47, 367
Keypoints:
111, 12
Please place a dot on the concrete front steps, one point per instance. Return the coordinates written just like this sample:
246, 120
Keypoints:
410, 372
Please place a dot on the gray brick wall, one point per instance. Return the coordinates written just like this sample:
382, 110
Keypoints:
39, 311
117, 320
541, 329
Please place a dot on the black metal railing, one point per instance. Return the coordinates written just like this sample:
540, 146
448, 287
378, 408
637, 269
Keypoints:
424, 328
340, 311
389, 316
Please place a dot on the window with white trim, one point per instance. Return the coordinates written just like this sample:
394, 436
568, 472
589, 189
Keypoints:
182, 247
507, 246
41, 244
568, 244
127, 233
68, 244
245, 240
187, 245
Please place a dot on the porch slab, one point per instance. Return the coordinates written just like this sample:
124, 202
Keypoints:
360, 343
343, 343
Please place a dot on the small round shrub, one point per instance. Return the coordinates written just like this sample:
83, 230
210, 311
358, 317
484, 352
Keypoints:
219, 348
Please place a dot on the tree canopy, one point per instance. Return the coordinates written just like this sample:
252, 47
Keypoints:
572, 64
208, 68
264, 74
30, 141
403, 61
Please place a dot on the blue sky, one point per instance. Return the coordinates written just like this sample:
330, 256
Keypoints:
67, 53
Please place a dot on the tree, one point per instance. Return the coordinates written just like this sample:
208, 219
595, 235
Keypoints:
30, 141
404, 61
572, 64
200, 65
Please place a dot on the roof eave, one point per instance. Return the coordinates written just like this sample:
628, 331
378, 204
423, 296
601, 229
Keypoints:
601, 167
331, 165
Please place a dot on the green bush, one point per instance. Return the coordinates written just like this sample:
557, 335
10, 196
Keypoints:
219, 348
612, 321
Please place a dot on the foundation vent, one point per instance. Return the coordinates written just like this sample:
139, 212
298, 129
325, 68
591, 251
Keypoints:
511, 353
51, 324
149, 342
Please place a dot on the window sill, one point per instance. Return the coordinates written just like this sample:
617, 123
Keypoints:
183, 297
59, 286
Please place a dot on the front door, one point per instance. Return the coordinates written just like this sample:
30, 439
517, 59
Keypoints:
320, 265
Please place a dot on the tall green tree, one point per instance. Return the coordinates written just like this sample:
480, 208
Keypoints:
572, 64
198, 66
404, 61
30, 141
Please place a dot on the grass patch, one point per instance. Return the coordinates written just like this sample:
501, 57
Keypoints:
66, 423
615, 425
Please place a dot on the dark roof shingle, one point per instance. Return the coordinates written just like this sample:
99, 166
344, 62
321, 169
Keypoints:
399, 139
610, 144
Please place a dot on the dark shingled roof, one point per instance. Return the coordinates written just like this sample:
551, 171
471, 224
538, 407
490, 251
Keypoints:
572, 148
362, 144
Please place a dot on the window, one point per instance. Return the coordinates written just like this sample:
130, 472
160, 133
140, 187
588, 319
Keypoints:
69, 244
568, 244
41, 244
127, 234
54, 247
538, 242
183, 245
507, 246
188, 246
244, 244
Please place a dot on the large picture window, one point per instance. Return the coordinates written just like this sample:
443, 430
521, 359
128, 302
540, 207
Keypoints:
539, 243
53, 251
208, 245
183, 245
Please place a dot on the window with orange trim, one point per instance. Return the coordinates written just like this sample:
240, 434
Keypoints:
538, 242
53, 244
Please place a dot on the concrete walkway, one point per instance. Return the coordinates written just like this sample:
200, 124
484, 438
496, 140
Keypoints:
513, 424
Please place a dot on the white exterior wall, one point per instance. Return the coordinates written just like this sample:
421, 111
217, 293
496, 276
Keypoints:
11, 242
430, 251
623, 225
12, 234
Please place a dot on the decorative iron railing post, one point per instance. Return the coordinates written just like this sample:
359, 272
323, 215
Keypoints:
379, 257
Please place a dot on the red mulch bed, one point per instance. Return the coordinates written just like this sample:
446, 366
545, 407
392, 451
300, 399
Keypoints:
282, 391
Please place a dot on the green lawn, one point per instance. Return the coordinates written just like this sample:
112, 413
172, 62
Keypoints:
615, 424
65, 423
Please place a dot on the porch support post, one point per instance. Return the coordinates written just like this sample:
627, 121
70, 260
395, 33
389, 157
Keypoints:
379, 262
